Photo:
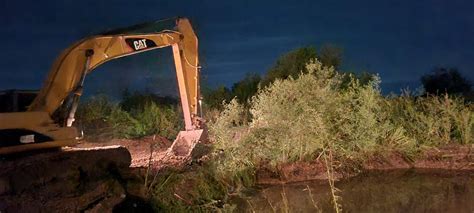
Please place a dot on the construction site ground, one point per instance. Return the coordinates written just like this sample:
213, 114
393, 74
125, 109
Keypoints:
89, 177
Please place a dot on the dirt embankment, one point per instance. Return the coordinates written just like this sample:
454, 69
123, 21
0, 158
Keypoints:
90, 177
67, 180
458, 158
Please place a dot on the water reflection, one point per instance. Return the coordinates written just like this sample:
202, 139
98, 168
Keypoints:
400, 191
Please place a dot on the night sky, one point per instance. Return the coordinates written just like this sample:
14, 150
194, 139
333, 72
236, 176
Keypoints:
400, 40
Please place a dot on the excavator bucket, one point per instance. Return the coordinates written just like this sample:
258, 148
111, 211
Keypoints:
184, 144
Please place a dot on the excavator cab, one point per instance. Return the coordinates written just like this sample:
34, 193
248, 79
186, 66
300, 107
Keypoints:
48, 120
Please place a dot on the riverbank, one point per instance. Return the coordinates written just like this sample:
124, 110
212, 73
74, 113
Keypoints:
149, 151
198, 186
452, 157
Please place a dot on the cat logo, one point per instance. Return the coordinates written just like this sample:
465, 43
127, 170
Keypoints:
139, 43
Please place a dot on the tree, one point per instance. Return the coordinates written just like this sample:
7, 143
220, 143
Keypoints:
446, 80
290, 64
246, 88
213, 98
331, 55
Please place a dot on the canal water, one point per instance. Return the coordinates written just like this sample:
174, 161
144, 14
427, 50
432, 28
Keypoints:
396, 191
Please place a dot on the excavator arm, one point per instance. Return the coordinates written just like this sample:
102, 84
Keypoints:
72, 66
36, 128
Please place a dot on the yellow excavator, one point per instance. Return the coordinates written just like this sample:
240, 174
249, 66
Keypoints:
48, 121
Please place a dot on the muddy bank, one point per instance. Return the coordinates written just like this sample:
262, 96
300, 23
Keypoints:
451, 157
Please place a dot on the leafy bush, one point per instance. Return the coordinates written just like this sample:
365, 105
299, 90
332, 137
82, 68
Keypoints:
246, 88
103, 119
433, 120
139, 100
152, 119
297, 119
213, 98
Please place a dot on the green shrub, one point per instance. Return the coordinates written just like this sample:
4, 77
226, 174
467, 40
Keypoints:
433, 120
139, 100
152, 119
102, 119
305, 116
234, 162
298, 119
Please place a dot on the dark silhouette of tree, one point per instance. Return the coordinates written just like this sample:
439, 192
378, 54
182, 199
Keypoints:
290, 64
294, 62
213, 98
331, 55
246, 88
446, 80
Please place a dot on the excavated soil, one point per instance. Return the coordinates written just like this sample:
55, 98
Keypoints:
148, 152
456, 158
89, 177
141, 150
